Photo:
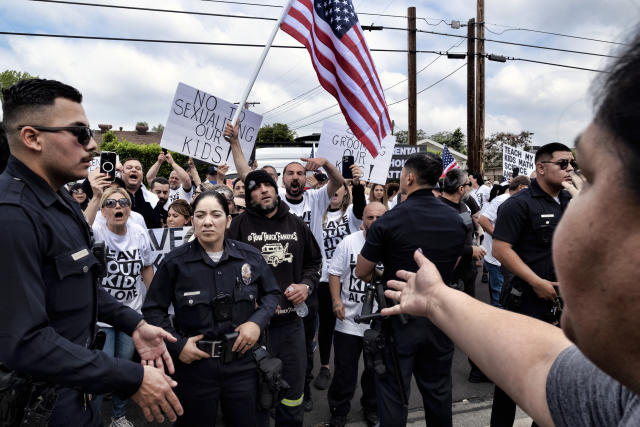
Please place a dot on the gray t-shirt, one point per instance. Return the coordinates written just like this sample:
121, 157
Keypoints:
580, 394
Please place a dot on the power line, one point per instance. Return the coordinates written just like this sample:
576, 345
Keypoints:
557, 65
149, 9
388, 105
130, 39
532, 30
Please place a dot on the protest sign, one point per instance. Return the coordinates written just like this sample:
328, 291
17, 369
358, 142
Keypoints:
164, 240
401, 153
196, 123
513, 157
337, 140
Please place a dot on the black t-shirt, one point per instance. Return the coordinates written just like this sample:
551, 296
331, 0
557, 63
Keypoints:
421, 221
527, 221
464, 210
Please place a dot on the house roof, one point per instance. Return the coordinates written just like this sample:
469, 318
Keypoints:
131, 136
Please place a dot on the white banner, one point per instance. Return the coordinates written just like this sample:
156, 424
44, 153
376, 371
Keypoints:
513, 157
337, 140
164, 240
196, 123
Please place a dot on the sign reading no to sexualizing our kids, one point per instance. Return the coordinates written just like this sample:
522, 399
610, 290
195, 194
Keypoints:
196, 124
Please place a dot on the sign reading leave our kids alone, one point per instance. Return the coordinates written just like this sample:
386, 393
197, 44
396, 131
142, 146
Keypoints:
196, 124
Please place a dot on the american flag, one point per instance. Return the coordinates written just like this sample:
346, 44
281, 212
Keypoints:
331, 33
448, 162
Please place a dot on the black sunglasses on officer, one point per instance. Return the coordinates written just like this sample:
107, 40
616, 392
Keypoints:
564, 163
82, 133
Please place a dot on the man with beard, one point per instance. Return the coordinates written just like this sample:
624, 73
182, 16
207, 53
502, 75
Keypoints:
309, 205
160, 187
288, 246
143, 200
179, 179
347, 295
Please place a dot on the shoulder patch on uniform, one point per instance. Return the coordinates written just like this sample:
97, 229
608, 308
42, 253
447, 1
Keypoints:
246, 273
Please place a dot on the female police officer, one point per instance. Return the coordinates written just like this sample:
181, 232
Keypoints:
217, 286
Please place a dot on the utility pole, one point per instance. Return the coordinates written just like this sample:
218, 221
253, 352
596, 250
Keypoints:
471, 95
411, 73
478, 151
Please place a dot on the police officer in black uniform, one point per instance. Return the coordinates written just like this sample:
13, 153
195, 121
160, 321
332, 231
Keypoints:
217, 286
522, 243
50, 294
420, 222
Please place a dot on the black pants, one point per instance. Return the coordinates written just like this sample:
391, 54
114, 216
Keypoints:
286, 342
310, 325
327, 322
427, 353
70, 410
343, 385
205, 383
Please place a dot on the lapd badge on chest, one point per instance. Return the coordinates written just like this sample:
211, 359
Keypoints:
246, 273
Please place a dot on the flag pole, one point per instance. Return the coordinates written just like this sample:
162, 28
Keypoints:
254, 76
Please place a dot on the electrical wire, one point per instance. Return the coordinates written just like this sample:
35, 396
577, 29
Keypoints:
532, 30
130, 39
556, 65
149, 9
388, 105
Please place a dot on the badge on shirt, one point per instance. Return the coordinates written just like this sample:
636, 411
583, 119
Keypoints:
246, 273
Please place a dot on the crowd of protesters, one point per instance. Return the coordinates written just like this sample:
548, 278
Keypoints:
283, 264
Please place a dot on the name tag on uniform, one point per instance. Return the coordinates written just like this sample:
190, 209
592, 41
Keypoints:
189, 294
547, 216
80, 254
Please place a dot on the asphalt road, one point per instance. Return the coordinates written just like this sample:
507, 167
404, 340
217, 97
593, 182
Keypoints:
463, 392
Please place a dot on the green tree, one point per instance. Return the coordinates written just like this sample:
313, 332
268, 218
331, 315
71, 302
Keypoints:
402, 137
158, 128
277, 132
455, 140
493, 146
10, 77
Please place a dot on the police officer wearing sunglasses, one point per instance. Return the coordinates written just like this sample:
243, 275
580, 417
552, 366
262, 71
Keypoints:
522, 243
50, 295
224, 295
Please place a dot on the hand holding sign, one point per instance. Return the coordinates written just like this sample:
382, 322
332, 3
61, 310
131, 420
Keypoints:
314, 164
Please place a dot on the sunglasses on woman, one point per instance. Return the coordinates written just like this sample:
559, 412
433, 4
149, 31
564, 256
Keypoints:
564, 163
111, 203
82, 133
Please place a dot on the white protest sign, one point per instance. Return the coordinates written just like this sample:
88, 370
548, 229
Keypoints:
196, 123
337, 140
164, 240
513, 157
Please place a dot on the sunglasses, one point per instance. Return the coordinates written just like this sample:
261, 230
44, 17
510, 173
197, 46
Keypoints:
82, 133
564, 163
467, 184
77, 190
111, 203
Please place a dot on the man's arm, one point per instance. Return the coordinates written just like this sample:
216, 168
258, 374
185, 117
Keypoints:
335, 177
153, 170
193, 173
364, 268
221, 176
503, 252
335, 287
312, 260
242, 166
518, 353
184, 177
485, 224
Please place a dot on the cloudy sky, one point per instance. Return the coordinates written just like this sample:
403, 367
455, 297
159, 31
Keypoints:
126, 82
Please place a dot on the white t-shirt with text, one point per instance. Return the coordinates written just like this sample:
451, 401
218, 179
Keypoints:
343, 265
126, 256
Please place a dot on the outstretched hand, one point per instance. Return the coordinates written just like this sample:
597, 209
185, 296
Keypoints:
414, 291
149, 343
